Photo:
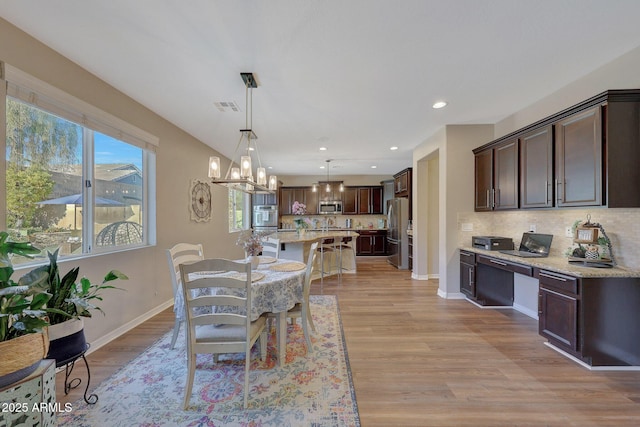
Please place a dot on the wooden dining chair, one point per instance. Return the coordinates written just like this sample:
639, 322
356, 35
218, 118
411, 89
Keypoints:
271, 247
301, 310
326, 250
180, 254
220, 331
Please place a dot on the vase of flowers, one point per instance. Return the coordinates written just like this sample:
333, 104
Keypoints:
301, 223
252, 243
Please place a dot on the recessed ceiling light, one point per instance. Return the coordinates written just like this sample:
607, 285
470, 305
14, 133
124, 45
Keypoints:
323, 148
393, 148
439, 104
269, 167
321, 167
373, 167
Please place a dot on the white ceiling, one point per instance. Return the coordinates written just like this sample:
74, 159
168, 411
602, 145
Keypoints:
356, 76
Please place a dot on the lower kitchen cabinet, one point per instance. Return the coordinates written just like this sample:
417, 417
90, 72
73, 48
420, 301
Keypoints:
468, 274
371, 242
558, 310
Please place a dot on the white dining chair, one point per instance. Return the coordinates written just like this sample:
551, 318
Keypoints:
271, 247
179, 254
301, 310
220, 331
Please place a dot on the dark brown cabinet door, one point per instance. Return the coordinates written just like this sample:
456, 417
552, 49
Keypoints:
536, 168
558, 318
311, 200
288, 195
350, 200
379, 246
364, 245
377, 200
505, 185
402, 183
364, 202
579, 159
467, 280
484, 180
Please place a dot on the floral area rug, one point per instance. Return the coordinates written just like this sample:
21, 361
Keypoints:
313, 389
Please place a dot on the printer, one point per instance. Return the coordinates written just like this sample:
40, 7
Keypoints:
492, 243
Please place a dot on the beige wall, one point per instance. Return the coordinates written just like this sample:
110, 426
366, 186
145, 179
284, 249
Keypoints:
179, 159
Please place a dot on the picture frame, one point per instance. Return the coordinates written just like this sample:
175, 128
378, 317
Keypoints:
586, 235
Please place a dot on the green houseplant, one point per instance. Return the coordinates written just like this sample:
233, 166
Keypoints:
23, 314
71, 301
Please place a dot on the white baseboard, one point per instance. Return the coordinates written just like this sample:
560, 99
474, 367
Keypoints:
105, 339
453, 295
526, 311
591, 368
424, 276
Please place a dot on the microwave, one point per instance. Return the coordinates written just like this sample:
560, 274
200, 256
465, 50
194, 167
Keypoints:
330, 207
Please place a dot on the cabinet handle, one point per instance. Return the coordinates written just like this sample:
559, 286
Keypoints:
504, 264
470, 277
493, 198
558, 193
551, 276
540, 311
546, 191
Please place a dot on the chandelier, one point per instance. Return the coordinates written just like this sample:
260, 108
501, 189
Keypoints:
239, 175
327, 188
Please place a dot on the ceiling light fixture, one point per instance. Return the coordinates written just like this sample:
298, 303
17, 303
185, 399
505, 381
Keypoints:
328, 187
440, 104
240, 176
394, 148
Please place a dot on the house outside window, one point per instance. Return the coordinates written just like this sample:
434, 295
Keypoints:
79, 188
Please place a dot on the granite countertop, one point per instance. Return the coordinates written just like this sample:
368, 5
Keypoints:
560, 265
291, 236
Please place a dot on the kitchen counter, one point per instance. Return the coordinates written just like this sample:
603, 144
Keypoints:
291, 236
561, 265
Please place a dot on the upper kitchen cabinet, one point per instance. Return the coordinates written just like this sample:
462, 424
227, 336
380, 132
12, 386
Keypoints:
288, 195
496, 169
264, 199
586, 155
402, 183
311, 200
333, 195
579, 159
363, 200
536, 168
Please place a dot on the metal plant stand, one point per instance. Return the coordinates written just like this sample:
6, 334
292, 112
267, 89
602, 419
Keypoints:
69, 364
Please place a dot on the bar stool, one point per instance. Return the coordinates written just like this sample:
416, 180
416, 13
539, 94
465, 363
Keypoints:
327, 245
344, 244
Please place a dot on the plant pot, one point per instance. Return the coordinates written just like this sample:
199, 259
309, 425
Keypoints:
21, 356
66, 340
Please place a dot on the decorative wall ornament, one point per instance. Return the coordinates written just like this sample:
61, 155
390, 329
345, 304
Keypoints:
200, 201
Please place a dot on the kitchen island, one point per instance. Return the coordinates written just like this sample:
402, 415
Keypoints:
295, 246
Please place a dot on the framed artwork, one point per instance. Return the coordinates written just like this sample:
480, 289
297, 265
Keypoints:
586, 235
200, 201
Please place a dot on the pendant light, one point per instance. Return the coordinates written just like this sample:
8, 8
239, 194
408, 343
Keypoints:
239, 175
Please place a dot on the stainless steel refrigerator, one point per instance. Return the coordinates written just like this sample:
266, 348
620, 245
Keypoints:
397, 238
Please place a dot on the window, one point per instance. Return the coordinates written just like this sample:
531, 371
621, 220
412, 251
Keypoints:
77, 179
239, 218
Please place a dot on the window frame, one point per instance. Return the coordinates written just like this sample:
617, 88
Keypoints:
245, 209
25, 88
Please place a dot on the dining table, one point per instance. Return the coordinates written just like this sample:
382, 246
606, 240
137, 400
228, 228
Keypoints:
276, 286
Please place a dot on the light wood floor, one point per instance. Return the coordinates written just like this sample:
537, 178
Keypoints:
420, 360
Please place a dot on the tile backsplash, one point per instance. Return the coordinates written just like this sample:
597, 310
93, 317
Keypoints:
621, 225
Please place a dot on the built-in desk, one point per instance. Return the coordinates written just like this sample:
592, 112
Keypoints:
587, 313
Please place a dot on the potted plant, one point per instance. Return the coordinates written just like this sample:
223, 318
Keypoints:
23, 314
71, 301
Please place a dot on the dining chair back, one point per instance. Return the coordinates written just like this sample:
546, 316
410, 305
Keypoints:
271, 247
226, 327
301, 310
180, 254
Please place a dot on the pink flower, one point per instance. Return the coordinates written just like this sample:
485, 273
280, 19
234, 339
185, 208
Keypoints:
299, 208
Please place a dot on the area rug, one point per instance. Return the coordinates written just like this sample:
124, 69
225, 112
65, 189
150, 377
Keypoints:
313, 389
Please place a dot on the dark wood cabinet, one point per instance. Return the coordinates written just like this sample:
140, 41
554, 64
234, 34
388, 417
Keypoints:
288, 195
371, 242
536, 168
558, 308
350, 201
593, 159
496, 177
363, 200
334, 194
467, 274
402, 183
259, 199
311, 200
579, 159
